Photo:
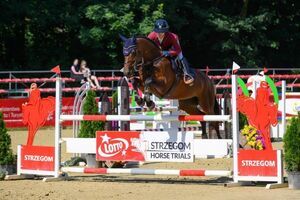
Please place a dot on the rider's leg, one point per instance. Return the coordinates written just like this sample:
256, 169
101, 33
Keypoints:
189, 73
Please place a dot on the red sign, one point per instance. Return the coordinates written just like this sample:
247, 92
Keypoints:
119, 146
37, 158
257, 163
12, 111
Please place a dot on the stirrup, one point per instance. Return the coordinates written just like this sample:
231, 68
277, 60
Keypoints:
188, 80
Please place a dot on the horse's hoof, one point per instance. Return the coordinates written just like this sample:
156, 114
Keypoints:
140, 101
204, 136
150, 105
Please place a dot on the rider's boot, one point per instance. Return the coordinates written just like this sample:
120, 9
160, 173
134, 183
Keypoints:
188, 73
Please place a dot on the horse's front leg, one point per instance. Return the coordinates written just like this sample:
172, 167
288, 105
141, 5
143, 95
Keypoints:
139, 100
147, 94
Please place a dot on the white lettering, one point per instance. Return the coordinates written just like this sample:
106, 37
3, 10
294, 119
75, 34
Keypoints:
38, 158
258, 163
110, 148
9, 109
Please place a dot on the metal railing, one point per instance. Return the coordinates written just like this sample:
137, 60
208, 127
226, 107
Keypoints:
19, 87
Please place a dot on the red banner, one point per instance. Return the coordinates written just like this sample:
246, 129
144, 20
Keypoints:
12, 111
118, 146
257, 163
37, 158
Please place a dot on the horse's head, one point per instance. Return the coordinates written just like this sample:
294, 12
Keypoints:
131, 58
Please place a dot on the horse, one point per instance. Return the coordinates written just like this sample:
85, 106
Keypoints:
154, 74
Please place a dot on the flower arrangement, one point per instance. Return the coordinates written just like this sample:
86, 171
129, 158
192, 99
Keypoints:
253, 137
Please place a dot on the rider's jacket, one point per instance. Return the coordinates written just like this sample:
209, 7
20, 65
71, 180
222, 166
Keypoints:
169, 43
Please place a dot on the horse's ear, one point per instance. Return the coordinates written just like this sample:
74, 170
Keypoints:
123, 37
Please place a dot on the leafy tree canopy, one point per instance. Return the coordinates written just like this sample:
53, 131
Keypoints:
39, 34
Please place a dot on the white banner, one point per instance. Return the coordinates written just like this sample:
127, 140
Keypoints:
168, 146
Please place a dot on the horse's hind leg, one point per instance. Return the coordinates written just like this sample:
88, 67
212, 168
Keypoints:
210, 106
190, 106
203, 128
216, 124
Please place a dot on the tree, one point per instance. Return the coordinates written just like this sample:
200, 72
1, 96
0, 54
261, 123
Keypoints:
88, 128
38, 34
106, 20
6, 155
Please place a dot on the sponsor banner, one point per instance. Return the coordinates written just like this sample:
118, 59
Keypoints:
257, 163
37, 158
292, 106
146, 146
169, 146
118, 146
12, 111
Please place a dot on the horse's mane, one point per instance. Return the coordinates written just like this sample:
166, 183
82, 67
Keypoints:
151, 41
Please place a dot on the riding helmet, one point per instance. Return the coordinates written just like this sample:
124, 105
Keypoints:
161, 26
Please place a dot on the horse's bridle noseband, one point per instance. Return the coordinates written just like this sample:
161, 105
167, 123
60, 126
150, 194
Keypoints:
139, 66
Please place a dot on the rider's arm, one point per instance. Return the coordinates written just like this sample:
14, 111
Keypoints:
152, 36
176, 49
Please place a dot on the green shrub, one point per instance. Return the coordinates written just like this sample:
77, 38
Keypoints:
291, 141
6, 155
115, 102
88, 128
242, 121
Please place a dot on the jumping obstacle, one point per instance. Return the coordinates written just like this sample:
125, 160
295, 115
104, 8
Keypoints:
156, 109
158, 117
238, 174
139, 171
213, 148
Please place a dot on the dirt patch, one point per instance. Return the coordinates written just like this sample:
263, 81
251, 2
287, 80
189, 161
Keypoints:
134, 187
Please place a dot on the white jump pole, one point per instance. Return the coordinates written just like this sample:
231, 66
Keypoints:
57, 126
158, 117
139, 171
235, 127
283, 113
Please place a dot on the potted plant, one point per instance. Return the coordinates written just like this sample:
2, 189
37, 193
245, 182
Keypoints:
88, 128
7, 159
291, 142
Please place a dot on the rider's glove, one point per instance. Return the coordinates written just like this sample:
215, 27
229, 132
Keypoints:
166, 53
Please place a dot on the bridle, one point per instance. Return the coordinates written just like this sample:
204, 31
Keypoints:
139, 62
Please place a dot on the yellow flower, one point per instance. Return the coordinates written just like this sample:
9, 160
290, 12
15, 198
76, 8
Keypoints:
251, 134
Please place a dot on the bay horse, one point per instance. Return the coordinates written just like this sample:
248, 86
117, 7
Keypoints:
153, 73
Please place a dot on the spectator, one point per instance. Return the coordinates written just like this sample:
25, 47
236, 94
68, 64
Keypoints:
87, 75
75, 71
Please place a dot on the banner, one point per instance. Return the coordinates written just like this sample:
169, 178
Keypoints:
12, 111
151, 146
37, 158
169, 146
257, 163
118, 146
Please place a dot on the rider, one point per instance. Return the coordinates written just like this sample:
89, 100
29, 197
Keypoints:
169, 43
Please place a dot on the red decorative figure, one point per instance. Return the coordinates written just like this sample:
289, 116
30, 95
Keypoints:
260, 112
36, 111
